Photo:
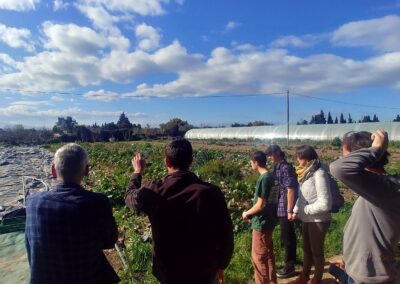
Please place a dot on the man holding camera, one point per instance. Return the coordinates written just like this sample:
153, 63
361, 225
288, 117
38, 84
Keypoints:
191, 225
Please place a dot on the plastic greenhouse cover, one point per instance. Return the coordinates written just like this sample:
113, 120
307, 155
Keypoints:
301, 132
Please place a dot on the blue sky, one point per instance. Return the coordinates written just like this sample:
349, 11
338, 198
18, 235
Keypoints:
197, 60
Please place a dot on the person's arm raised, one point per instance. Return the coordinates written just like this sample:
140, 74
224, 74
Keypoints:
132, 193
351, 170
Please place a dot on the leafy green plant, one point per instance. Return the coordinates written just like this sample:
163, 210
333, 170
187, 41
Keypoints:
336, 142
220, 171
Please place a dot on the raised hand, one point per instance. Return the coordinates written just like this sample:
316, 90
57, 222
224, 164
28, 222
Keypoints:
138, 163
380, 139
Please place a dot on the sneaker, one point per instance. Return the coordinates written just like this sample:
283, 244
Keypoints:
286, 272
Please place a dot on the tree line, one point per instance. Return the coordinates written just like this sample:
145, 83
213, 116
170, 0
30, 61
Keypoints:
321, 119
67, 129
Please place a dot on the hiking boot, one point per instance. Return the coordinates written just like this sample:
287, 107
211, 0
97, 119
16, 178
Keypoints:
302, 279
286, 272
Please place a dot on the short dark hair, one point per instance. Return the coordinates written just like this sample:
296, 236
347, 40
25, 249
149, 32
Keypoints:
354, 141
357, 140
179, 153
306, 152
260, 157
275, 149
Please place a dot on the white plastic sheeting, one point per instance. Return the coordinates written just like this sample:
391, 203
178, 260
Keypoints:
302, 132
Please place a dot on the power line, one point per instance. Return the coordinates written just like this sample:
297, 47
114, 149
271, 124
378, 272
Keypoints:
199, 97
206, 96
138, 96
345, 103
39, 92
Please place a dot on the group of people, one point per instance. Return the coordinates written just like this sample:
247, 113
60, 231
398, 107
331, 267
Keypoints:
372, 234
311, 204
68, 228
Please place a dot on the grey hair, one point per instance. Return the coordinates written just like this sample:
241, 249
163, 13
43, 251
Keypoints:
70, 161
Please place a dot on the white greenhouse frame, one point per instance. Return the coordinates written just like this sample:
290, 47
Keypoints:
318, 132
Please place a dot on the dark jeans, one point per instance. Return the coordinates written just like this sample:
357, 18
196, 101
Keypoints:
288, 240
313, 234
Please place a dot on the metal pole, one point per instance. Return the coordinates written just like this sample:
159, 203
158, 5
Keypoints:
287, 117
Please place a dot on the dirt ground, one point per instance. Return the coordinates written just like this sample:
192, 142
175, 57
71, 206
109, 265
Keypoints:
327, 278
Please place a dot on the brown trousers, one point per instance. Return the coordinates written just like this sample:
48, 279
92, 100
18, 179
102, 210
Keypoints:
313, 234
263, 258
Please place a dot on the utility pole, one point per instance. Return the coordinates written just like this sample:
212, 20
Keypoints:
287, 117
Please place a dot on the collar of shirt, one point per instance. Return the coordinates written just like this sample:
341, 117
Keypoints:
67, 186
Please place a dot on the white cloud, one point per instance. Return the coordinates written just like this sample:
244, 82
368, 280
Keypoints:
106, 23
231, 25
30, 103
244, 47
141, 7
271, 71
106, 13
7, 59
52, 71
16, 38
101, 95
34, 116
59, 5
79, 56
148, 37
18, 5
381, 34
70, 38
124, 67
118, 41
28, 114
57, 98
98, 15
303, 41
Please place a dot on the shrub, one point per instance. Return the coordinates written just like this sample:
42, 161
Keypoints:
336, 142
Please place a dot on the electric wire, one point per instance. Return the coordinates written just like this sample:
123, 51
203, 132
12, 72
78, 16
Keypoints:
2, 90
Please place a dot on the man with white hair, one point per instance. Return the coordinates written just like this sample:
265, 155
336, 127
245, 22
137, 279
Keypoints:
68, 228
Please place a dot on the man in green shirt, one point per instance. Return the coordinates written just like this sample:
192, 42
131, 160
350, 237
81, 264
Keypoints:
263, 218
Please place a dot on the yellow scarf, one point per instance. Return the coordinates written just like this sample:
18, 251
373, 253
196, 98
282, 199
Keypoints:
302, 171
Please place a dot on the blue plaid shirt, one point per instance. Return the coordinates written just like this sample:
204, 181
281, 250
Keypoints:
286, 176
66, 232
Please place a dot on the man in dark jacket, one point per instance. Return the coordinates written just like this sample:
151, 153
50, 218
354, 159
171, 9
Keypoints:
191, 226
68, 228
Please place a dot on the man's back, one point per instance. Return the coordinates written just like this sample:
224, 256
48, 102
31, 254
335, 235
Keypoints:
66, 230
192, 230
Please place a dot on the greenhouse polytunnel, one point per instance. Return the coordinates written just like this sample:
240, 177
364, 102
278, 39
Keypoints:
301, 132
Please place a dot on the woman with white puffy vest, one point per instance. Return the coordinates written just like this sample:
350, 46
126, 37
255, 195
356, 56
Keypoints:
313, 209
